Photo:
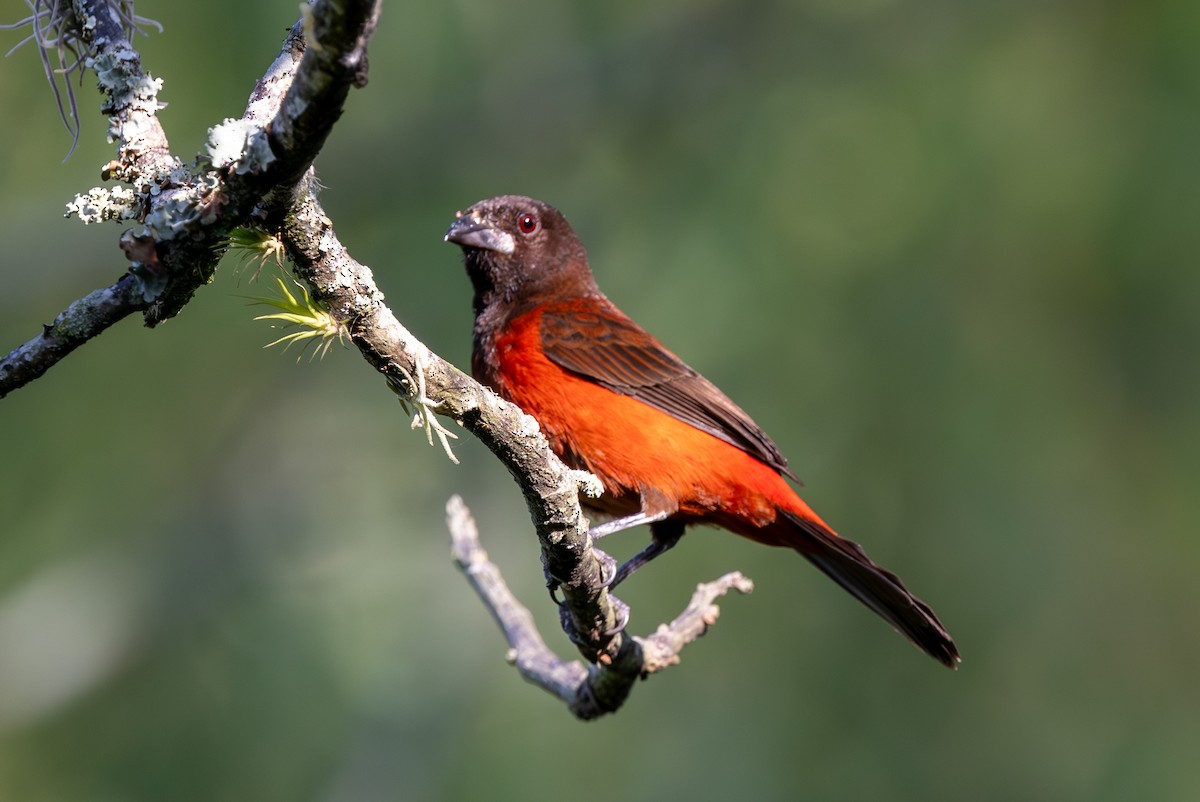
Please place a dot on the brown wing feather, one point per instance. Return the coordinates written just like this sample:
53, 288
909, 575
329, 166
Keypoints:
598, 341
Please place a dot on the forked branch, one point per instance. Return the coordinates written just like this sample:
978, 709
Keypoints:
589, 691
182, 215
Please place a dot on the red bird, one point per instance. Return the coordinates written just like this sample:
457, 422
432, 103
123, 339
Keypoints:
670, 448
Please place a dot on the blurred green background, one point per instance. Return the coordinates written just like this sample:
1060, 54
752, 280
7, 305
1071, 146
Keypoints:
944, 252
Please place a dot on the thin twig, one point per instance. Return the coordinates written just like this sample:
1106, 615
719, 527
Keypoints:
663, 647
529, 652
74, 326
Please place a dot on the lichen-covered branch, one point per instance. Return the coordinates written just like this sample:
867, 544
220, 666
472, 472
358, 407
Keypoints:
131, 95
183, 215
334, 60
249, 162
257, 171
78, 323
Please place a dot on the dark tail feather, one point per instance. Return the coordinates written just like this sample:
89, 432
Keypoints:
846, 563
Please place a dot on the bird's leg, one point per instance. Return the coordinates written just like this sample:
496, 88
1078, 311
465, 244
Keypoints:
663, 536
629, 521
653, 506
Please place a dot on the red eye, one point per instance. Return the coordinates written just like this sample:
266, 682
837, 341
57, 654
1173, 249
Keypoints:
527, 223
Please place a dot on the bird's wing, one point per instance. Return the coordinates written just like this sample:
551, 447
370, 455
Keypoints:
596, 340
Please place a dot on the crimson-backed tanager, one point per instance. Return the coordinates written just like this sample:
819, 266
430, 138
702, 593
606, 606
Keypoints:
670, 448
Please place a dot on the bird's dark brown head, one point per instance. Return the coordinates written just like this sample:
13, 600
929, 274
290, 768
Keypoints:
518, 249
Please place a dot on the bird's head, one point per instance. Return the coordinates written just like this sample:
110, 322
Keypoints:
518, 248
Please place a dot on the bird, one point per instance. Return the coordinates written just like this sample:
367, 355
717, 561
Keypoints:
670, 449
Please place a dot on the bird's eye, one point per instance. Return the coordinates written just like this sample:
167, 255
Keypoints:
527, 223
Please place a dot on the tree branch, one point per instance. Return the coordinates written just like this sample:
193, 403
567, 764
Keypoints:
131, 95
74, 326
335, 59
258, 171
185, 215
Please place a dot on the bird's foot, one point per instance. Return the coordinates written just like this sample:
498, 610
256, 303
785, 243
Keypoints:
608, 568
621, 609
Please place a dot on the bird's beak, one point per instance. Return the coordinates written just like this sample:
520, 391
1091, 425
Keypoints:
471, 232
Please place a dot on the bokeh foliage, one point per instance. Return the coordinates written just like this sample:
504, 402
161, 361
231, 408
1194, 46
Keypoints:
944, 252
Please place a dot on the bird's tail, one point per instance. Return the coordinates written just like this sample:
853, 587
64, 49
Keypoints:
846, 563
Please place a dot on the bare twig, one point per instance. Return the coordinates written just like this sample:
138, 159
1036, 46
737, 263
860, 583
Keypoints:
663, 647
529, 652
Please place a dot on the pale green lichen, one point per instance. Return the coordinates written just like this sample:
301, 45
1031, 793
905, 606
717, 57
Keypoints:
181, 210
177, 211
105, 203
327, 241
240, 144
153, 283
132, 95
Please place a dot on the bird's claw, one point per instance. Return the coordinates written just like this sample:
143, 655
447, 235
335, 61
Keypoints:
608, 568
621, 609
553, 583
